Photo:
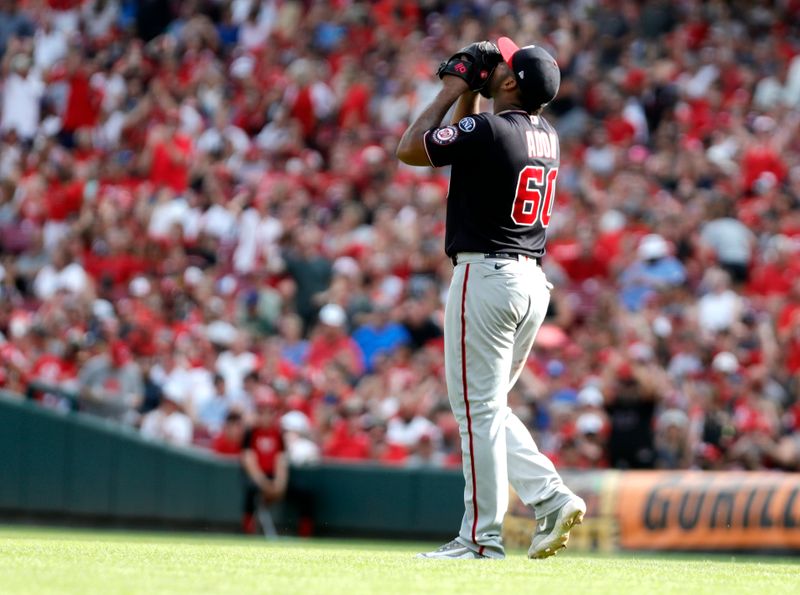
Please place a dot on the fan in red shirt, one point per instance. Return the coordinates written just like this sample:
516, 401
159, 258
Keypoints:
83, 102
763, 155
774, 278
53, 369
620, 131
265, 463
64, 195
57, 371
228, 442
354, 109
347, 439
383, 451
330, 342
170, 153
582, 258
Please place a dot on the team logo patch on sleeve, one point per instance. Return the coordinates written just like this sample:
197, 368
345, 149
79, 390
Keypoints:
466, 124
445, 135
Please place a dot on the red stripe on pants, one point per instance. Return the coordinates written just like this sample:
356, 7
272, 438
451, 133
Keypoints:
466, 404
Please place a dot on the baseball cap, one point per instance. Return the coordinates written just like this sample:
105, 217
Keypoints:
139, 286
589, 423
332, 315
295, 421
174, 392
652, 246
725, 362
535, 70
590, 396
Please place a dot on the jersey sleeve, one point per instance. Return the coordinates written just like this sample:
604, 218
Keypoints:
459, 142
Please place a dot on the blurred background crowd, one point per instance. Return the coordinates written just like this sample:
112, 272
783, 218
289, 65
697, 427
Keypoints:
203, 225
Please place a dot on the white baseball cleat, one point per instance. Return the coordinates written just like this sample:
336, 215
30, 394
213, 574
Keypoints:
452, 551
552, 532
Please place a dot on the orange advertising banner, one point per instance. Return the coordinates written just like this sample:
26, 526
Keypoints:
709, 510
599, 530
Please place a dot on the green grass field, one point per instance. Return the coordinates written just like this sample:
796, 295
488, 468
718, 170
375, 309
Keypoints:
83, 561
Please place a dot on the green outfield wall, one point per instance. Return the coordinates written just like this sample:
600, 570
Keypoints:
71, 468
67, 467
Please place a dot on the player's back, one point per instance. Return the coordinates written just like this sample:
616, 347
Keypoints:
501, 197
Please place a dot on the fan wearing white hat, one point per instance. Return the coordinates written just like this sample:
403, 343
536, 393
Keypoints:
330, 341
653, 270
168, 422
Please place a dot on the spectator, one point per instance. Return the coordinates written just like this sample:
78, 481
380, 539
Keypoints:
784, 452
295, 347
214, 412
631, 405
60, 275
82, 101
265, 465
168, 154
409, 425
347, 439
425, 454
57, 369
379, 336
720, 306
381, 449
111, 382
590, 441
300, 447
776, 271
22, 94
330, 342
228, 442
419, 323
168, 423
191, 180
310, 270
672, 440
730, 240
236, 363
14, 23
655, 270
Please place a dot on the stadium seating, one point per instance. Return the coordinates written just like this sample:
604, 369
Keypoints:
209, 188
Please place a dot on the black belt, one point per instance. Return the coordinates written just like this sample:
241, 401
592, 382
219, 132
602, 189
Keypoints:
504, 255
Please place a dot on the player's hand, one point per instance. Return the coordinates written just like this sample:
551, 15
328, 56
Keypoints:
474, 64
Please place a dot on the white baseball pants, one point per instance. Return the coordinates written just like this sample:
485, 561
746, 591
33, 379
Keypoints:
494, 310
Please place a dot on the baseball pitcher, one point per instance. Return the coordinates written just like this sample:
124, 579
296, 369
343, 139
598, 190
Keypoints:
504, 167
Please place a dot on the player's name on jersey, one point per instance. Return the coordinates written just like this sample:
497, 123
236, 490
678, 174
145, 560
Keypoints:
542, 145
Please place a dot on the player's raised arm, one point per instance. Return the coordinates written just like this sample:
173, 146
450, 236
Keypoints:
469, 104
411, 149
463, 75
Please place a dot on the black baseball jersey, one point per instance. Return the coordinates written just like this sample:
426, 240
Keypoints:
502, 183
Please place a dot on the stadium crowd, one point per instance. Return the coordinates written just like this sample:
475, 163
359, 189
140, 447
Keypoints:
202, 220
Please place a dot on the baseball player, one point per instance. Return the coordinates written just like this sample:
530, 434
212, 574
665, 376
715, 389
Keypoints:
502, 187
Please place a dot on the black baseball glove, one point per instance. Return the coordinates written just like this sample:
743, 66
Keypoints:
474, 63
